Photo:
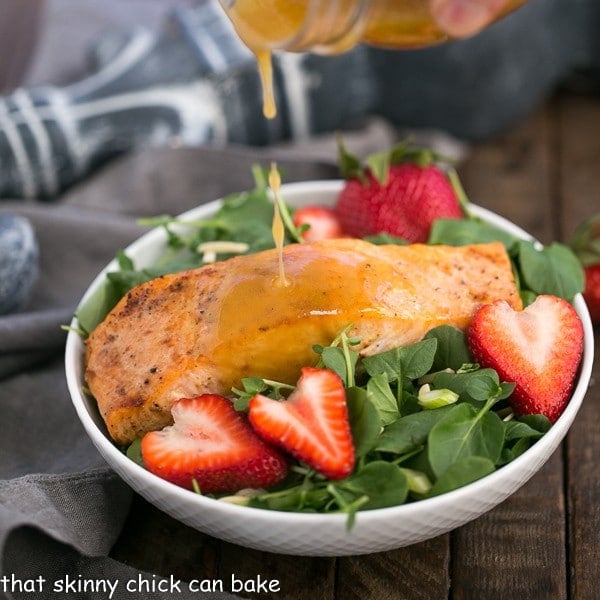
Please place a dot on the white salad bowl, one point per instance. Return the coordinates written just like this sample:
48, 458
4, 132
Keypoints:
318, 534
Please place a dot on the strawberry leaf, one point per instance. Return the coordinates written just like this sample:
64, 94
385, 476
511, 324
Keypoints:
379, 166
349, 164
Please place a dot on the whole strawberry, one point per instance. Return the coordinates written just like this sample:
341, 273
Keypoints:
586, 245
400, 192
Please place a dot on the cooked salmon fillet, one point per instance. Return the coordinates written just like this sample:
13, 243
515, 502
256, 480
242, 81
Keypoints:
203, 330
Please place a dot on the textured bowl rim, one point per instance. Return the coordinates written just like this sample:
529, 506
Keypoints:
137, 476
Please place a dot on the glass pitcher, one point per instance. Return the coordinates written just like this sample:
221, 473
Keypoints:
331, 27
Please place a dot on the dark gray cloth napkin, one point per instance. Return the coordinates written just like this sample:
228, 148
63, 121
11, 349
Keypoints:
61, 507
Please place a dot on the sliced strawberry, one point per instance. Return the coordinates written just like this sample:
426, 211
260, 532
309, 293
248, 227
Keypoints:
312, 424
538, 348
213, 444
323, 223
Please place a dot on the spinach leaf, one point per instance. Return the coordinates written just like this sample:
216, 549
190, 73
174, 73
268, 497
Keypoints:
340, 360
410, 432
462, 433
364, 421
381, 396
380, 482
515, 430
460, 473
551, 270
540, 423
460, 232
452, 350
409, 362
477, 385
92, 312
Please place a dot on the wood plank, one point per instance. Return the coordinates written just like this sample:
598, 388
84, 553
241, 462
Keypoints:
519, 548
512, 175
298, 577
579, 160
418, 572
155, 542
583, 483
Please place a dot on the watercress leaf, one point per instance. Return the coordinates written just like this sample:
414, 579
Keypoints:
254, 385
459, 232
298, 498
333, 359
505, 390
452, 350
123, 281
386, 363
125, 263
417, 358
408, 402
385, 238
460, 473
365, 423
517, 429
93, 310
381, 396
552, 270
134, 452
464, 432
510, 453
411, 361
478, 380
527, 297
382, 482
538, 422
410, 432
483, 385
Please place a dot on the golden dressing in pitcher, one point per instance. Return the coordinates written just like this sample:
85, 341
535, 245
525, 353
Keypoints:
331, 27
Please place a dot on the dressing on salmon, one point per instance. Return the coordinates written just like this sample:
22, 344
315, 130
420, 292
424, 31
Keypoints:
203, 330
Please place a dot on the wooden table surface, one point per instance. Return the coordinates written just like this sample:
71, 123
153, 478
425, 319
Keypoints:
542, 542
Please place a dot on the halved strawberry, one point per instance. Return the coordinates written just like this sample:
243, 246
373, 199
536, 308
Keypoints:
538, 348
312, 424
323, 223
213, 444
